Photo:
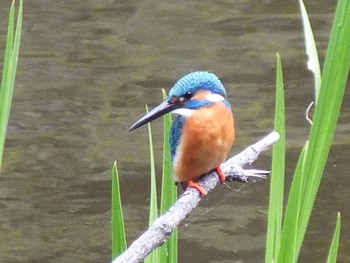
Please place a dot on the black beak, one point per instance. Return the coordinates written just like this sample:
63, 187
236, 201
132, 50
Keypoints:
157, 112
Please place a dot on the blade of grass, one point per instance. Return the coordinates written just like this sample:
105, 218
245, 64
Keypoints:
334, 77
309, 172
288, 246
277, 173
8, 49
153, 198
333, 251
153, 214
169, 193
169, 250
118, 229
313, 63
9, 71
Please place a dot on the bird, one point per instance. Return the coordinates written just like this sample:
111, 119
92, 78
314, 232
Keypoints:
203, 132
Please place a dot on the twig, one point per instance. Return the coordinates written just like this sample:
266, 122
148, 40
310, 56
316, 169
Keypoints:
161, 229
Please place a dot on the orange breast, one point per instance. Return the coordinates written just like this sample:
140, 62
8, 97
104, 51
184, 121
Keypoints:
206, 139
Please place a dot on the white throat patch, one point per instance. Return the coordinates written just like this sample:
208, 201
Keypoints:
183, 112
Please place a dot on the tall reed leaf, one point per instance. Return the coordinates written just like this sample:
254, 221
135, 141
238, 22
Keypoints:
118, 230
333, 251
334, 77
9, 71
169, 250
153, 198
169, 192
288, 247
153, 214
313, 63
277, 173
310, 167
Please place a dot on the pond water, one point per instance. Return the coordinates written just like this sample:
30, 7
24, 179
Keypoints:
85, 71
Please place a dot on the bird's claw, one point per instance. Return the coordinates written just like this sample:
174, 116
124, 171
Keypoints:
221, 175
197, 186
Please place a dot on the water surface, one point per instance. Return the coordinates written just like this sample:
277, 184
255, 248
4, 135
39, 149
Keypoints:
85, 71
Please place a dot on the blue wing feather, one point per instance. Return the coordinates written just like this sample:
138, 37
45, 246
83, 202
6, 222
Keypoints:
175, 135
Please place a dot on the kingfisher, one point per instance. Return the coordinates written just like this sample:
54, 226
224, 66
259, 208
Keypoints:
203, 132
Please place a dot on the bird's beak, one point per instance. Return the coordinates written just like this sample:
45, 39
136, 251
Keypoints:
157, 112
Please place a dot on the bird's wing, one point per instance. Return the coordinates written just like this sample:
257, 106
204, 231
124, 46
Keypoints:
175, 135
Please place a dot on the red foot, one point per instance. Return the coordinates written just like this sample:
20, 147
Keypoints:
197, 186
221, 174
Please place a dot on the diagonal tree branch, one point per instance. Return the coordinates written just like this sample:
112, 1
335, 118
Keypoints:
161, 229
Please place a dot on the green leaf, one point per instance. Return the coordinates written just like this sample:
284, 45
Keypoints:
277, 173
153, 198
118, 230
288, 247
153, 214
313, 159
326, 115
169, 191
8, 50
333, 251
311, 50
169, 250
9, 71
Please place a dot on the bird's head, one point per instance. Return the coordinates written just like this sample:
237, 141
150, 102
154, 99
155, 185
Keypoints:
193, 91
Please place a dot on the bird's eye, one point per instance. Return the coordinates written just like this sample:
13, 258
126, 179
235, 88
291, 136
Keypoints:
188, 95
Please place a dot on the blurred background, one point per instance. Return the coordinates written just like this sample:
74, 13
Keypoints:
86, 70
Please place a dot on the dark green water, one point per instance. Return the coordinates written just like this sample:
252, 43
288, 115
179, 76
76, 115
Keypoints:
85, 71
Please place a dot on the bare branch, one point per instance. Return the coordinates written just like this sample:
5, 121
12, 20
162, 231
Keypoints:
161, 229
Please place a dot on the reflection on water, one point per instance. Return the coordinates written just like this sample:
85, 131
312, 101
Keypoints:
85, 72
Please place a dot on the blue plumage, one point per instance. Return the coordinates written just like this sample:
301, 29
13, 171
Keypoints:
196, 104
175, 135
195, 80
